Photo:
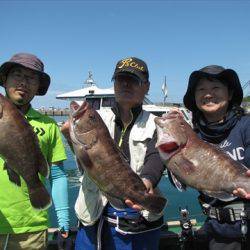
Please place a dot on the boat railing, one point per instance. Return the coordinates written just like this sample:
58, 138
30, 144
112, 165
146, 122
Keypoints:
171, 237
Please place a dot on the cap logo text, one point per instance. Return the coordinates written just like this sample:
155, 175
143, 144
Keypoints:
130, 63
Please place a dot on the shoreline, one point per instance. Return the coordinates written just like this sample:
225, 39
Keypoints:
54, 112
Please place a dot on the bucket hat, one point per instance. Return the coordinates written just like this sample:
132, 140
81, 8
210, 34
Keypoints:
133, 66
28, 61
227, 75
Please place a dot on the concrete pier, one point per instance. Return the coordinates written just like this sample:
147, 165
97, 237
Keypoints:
54, 111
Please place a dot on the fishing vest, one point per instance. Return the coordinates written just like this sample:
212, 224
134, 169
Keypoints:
90, 201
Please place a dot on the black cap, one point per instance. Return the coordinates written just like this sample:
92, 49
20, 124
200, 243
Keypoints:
133, 66
228, 75
28, 61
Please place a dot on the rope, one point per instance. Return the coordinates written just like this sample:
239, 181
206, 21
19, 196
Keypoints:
6, 242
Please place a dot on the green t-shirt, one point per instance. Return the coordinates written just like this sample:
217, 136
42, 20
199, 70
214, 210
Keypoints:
16, 213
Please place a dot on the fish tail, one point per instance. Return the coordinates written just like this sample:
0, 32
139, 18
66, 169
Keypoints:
154, 203
39, 197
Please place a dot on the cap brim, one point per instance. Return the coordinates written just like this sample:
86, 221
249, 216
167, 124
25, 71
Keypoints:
125, 73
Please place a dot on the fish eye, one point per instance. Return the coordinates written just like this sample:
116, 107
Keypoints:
91, 117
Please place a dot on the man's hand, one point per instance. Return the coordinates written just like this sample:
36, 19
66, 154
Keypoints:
63, 241
66, 134
240, 192
65, 235
65, 129
150, 190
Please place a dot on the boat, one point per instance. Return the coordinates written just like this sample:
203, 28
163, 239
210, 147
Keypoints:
102, 99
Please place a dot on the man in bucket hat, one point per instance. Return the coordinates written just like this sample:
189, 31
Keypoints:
101, 225
214, 95
21, 226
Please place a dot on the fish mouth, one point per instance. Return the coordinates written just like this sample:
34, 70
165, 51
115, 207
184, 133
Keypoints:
169, 147
78, 111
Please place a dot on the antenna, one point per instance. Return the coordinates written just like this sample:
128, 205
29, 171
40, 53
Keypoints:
89, 81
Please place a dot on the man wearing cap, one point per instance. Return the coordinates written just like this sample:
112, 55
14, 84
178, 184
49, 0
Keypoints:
214, 95
21, 226
101, 225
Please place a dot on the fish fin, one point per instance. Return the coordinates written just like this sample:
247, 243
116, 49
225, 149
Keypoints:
180, 186
154, 203
224, 196
78, 164
115, 202
39, 197
83, 160
13, 176
187, 165
43, 166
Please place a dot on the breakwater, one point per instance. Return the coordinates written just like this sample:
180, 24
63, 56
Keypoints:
65, 111
54, 112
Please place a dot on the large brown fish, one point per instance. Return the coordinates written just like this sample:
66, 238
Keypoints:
20, 150
98, 155
196, 163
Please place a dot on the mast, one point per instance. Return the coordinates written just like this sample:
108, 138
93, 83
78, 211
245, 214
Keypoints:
164, 90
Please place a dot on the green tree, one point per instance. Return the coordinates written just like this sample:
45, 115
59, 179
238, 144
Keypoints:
246, 99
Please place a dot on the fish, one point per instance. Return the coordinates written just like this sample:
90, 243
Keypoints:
99, 157
19, 147
195, 163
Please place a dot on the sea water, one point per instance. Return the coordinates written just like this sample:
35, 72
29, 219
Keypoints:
176, 199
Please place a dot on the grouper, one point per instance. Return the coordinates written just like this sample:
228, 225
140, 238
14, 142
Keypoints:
19, 147
196, 163
99, 157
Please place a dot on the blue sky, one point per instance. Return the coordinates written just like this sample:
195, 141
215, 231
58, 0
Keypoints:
173, 37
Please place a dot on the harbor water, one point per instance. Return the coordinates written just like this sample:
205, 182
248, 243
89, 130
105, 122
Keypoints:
175, 198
